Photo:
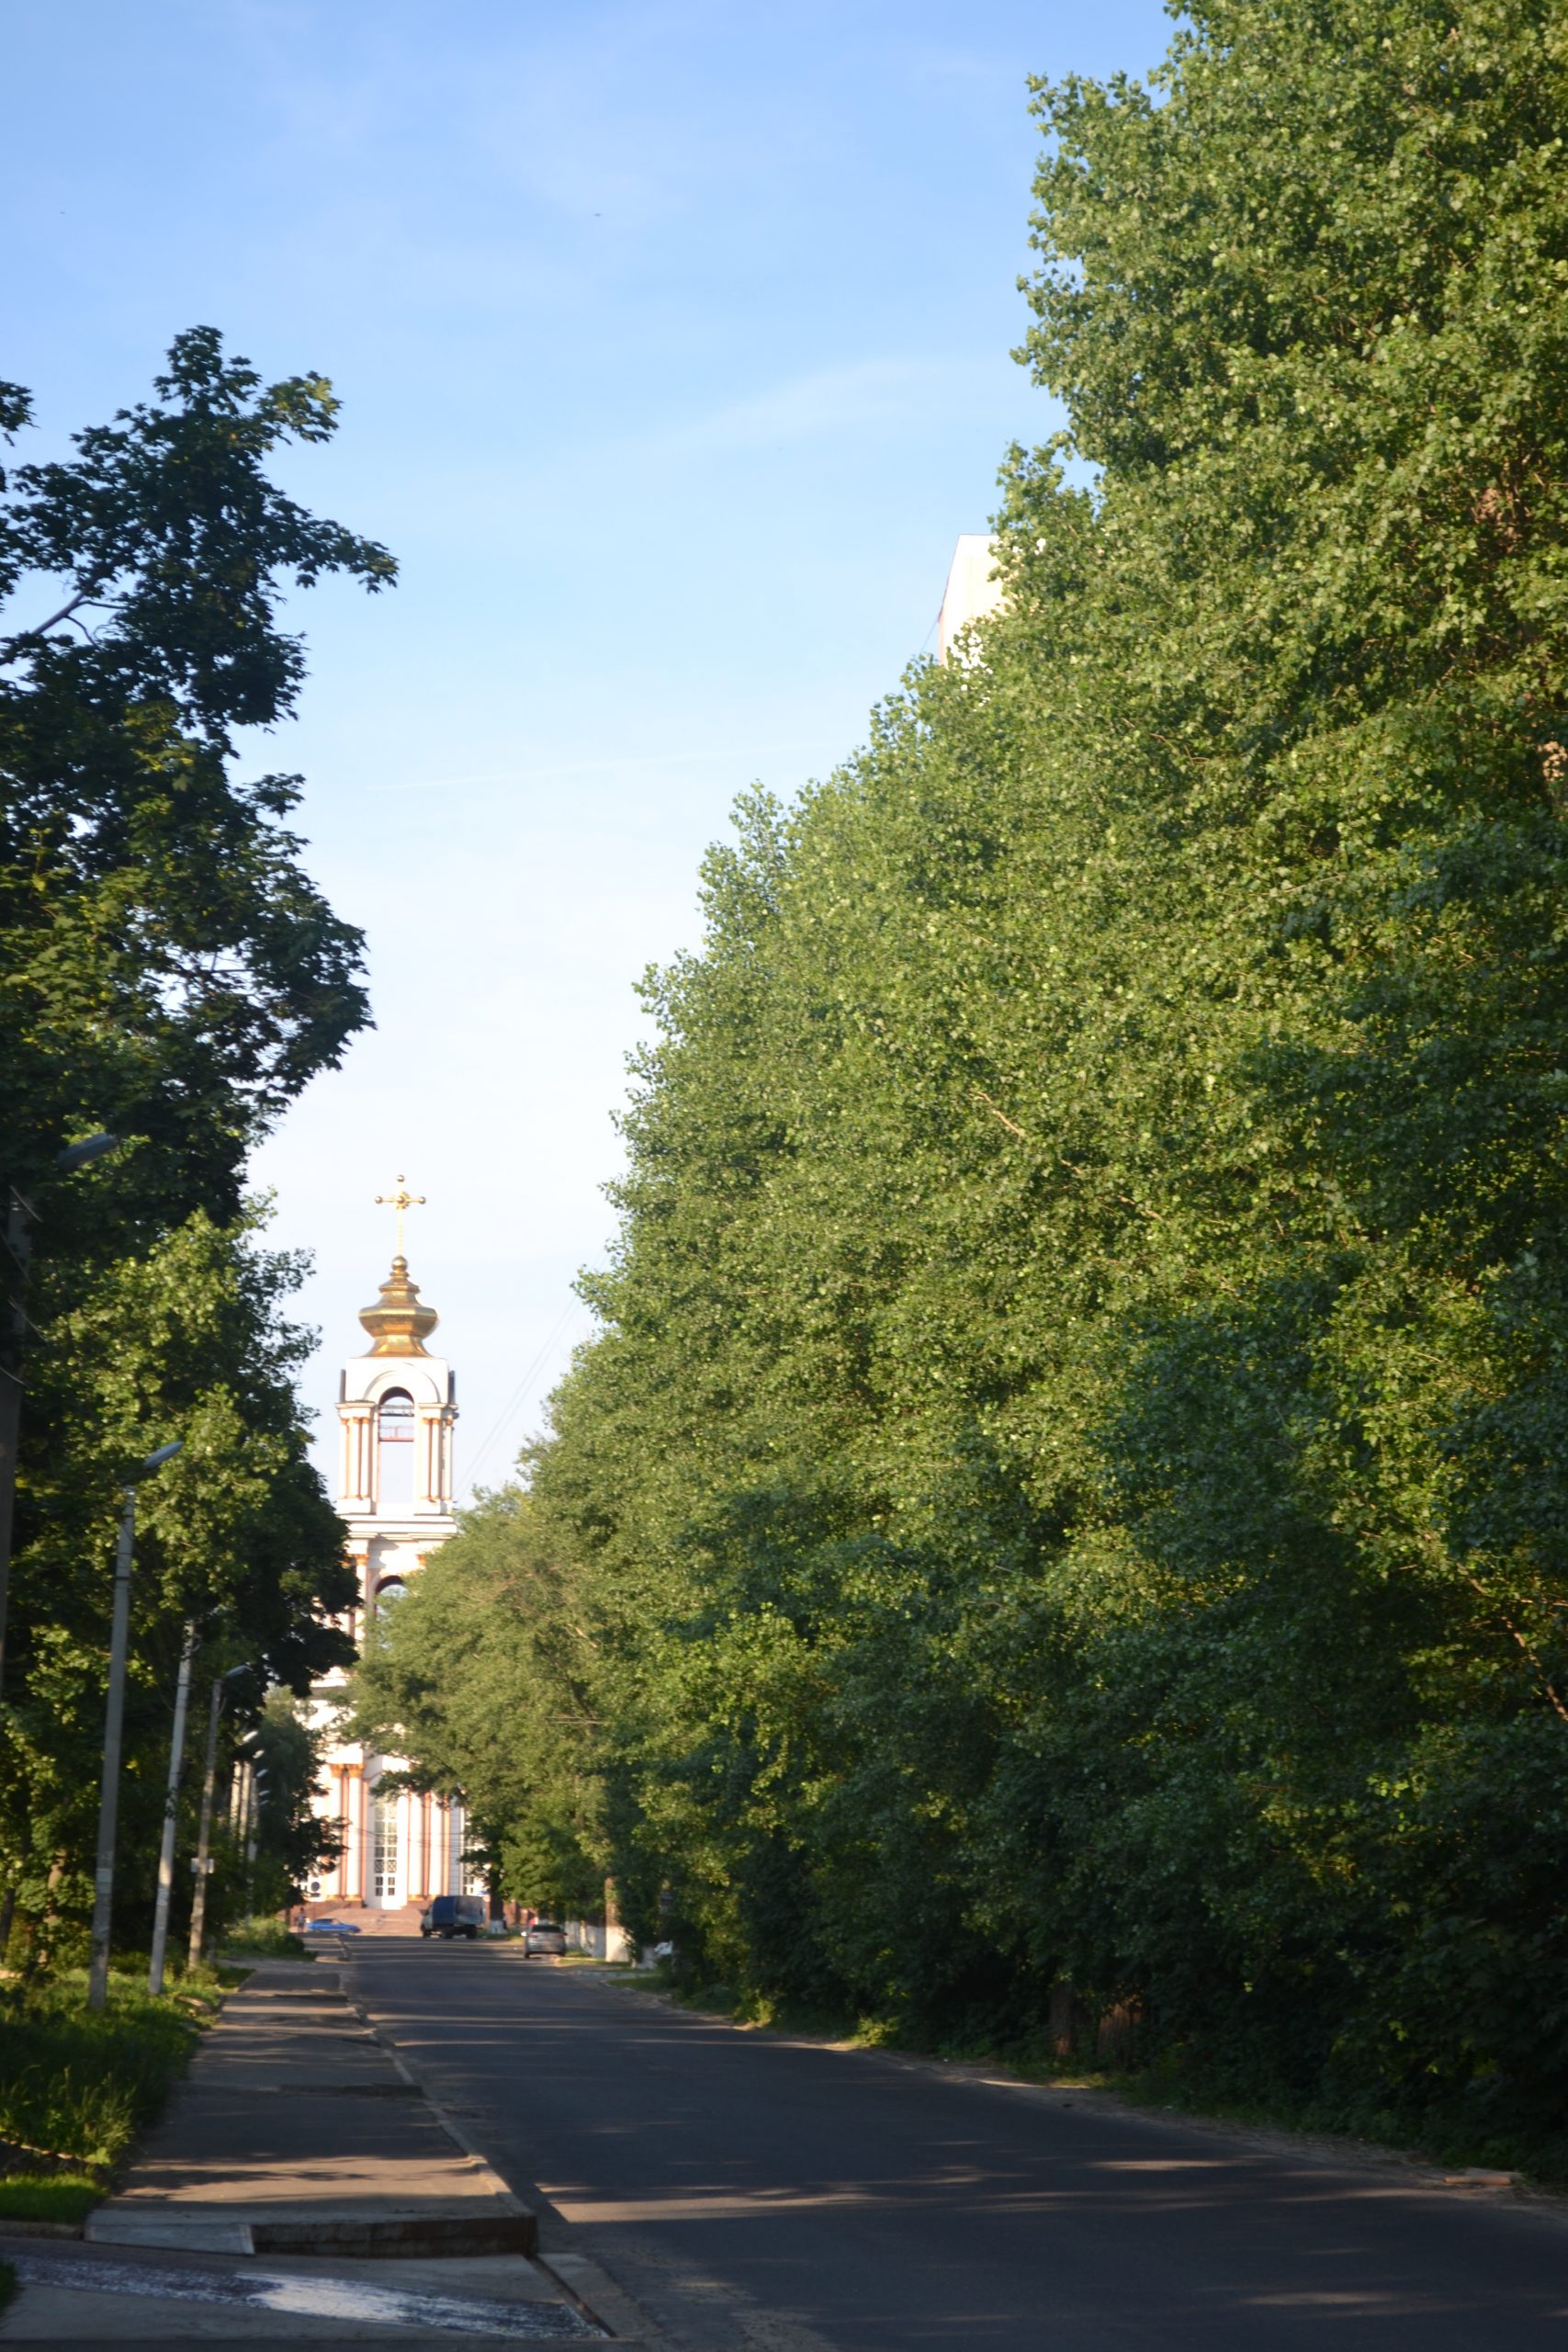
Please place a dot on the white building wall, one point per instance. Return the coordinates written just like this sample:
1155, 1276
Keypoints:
971, 594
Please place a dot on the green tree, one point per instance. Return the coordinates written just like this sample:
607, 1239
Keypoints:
291, 1840
1069, 1482
169, 973
481, 1675
234, 1537
166, 968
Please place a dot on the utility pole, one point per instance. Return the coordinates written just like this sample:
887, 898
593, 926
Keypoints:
171, 1815
242, 1813
108, 1795
114, 1724
202, 1865
255, 1786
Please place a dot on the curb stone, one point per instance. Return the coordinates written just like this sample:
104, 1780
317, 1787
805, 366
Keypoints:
588, 2286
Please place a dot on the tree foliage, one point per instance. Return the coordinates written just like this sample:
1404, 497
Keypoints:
167, 970
1070, 1482
481, 1673
235, 1536
169, 973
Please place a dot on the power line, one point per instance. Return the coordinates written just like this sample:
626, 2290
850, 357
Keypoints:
521, 1390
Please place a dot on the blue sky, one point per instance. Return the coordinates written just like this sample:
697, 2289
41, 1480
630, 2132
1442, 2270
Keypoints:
674, 348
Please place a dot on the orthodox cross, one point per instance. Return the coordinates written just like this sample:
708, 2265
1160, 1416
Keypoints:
402, 1200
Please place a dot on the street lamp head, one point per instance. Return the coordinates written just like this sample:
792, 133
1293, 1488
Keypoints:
78, 1155
165, 1453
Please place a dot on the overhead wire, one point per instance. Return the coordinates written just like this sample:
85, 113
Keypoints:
570, 1308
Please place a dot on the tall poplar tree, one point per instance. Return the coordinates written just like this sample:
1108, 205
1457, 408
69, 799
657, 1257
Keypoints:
1069, 1483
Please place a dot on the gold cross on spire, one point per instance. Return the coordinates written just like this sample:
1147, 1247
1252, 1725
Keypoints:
402, 1200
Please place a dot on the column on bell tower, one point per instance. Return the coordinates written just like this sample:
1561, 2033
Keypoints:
356, 1470
433, 1486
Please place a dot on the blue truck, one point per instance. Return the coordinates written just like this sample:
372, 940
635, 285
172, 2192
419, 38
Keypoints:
454, 1915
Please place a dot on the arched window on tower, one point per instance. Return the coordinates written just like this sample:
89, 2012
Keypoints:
389, 1592
394, 1452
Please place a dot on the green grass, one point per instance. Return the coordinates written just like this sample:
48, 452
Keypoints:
263, 1939
76, 2087
48, 2196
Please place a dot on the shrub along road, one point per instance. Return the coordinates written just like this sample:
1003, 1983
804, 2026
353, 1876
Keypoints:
746, 2189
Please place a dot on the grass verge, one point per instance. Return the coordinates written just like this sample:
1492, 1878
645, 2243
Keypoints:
49, 2196
75, 2086
264, 1939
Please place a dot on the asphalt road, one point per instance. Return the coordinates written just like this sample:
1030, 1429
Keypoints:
750, 2190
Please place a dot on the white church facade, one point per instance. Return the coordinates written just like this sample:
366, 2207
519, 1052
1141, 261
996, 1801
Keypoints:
396, 1406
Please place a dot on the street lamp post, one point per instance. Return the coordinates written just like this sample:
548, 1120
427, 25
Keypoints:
171, 1815
202, 1865
114, 1721
256, 1793
20, 1215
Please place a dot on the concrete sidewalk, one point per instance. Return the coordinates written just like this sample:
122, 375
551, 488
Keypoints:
299, 2188
296, 2131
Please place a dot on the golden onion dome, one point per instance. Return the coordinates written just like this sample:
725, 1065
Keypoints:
398, 1324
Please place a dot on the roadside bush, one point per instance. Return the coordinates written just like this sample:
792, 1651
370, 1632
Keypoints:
262, 1940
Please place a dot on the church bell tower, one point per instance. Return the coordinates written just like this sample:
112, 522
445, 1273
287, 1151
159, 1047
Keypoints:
397, 1405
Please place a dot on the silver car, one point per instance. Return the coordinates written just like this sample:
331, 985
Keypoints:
544, 1936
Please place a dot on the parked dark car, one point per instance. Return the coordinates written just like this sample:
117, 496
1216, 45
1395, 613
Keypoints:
454, 1915
544, 1936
